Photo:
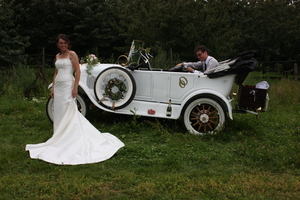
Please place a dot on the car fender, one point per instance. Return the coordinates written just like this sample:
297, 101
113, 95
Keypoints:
210, 92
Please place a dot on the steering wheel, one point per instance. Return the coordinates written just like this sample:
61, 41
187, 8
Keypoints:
144, 63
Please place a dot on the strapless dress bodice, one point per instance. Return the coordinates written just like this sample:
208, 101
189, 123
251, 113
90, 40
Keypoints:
65, 70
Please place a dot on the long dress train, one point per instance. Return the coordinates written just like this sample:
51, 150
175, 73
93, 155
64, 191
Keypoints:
75, 140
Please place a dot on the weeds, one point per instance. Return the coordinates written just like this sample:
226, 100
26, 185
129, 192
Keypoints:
134, 122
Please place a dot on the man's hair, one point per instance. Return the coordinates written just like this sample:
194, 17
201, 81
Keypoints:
201, 48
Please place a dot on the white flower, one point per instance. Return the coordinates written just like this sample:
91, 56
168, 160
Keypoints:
91, 60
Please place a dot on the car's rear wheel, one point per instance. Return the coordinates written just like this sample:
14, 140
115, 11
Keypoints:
115, 88
203, 116
82, 105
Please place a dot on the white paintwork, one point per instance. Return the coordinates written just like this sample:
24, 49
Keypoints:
155, 88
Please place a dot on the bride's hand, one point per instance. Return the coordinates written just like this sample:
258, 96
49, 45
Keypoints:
52, 94
74, 93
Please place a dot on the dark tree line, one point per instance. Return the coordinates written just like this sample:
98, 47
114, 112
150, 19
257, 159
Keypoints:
107, 27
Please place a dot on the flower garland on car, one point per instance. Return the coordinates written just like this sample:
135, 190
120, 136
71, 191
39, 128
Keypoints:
91, 60
114, 89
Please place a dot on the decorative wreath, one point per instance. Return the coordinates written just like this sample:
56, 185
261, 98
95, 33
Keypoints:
114, 84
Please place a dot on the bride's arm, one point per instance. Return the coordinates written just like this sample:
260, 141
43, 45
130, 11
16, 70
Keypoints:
53, 81
75, 63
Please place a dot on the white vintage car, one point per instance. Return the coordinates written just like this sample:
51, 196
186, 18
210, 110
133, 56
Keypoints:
135, 88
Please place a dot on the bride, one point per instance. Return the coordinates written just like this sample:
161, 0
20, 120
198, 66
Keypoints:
75, 140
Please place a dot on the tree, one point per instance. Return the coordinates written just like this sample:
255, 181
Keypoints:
86, 22
168, 24
107, 27
273, 28
13, 44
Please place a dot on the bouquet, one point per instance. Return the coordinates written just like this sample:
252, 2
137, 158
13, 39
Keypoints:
91, 60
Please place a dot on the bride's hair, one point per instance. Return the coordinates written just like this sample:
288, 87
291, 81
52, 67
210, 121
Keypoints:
63, 37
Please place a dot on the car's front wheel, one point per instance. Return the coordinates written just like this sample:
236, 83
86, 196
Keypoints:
203, 116
81, 104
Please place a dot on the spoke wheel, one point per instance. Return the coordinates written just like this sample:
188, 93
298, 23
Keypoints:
82, 105
203, 116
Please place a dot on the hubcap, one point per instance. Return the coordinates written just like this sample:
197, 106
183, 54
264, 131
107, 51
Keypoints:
204, 118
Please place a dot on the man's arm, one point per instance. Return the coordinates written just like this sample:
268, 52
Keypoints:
195, 65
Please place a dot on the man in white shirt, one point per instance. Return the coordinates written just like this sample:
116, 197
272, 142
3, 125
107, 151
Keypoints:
204, 65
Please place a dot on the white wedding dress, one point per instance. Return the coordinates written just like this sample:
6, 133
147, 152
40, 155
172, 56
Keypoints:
75, 140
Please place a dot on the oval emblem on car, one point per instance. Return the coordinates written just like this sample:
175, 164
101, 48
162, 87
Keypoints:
183, 82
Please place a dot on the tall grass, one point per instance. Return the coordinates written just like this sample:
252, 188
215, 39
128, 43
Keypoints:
250, 159
25, 81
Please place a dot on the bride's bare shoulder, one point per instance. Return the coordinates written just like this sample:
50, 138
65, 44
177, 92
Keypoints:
73, 54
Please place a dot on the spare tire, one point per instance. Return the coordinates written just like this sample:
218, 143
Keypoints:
115, 88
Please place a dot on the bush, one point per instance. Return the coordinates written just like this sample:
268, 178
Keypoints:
25, 81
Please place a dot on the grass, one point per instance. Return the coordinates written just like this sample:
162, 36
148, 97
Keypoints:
250, 159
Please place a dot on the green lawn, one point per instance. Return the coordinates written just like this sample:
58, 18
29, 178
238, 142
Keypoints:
250, 159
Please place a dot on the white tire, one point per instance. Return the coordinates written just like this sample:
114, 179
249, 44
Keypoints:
81, 103
115, 96
203, 116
